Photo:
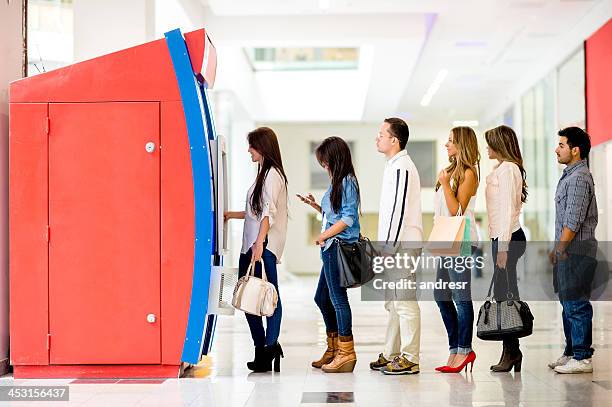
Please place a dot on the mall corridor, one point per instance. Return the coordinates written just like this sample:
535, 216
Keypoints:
154, 153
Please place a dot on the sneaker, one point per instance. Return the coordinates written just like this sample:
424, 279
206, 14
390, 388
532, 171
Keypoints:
380, 363
576, 366
400, 365
560, 362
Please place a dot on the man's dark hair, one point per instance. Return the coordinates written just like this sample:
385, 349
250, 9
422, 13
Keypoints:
576, 137
399, 129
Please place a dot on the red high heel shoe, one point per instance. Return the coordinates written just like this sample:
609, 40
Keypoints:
469, 360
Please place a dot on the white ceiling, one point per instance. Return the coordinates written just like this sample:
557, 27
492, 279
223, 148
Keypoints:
492, 49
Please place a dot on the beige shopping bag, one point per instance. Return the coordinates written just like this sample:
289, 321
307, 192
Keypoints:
446, 236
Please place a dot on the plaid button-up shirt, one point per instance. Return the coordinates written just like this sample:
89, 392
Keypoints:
575, 203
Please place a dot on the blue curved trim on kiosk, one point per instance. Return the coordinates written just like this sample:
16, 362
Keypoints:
197, 133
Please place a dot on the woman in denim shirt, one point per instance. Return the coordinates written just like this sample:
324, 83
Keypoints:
340, 210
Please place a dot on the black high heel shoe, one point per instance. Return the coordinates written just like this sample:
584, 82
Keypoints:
277, 354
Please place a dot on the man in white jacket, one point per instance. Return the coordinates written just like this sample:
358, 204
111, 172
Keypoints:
400, 228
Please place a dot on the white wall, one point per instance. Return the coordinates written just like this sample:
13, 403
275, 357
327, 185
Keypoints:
101, 27
10, 69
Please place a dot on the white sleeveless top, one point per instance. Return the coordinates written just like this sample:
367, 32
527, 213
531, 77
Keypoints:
441, 209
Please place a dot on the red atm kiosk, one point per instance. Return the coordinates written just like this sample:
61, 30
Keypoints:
116, 200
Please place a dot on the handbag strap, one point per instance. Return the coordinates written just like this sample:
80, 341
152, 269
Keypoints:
509, 295
251, 271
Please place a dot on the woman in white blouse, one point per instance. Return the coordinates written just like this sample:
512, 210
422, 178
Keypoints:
506, 191
263, 239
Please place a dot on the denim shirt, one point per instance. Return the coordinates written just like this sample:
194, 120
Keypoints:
349, 213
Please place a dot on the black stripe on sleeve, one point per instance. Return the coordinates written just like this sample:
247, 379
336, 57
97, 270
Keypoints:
394, 203
399, 225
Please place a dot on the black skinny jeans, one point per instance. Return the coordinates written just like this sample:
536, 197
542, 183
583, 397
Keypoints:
506, 282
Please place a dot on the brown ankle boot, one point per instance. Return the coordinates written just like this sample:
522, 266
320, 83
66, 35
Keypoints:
345, 360
510, 359
501, 359
330, 352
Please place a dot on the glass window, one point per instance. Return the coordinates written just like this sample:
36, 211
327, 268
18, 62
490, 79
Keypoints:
538, 136
50, 35
570, 91
423, 154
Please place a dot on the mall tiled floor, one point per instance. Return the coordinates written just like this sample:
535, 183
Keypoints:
222, 379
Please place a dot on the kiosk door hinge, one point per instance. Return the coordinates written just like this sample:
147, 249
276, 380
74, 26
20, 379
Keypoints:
48, 341
48, 233
47, 126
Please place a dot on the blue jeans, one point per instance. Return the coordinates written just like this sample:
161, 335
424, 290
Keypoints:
574, 277
456, 309
578, 328
273, 323
331, 298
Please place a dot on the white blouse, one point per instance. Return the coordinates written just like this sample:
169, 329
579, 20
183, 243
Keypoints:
503, 195
274, 199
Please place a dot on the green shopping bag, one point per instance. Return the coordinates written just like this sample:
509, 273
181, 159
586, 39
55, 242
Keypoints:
466, 246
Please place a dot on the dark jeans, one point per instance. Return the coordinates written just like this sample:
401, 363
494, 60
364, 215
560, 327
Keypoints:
505, 281
456, 308
273, 323
331, 298
575, 275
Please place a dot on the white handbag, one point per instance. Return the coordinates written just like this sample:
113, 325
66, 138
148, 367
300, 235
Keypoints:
255, 295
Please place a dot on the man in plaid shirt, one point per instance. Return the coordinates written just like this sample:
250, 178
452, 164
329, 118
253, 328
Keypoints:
575, 250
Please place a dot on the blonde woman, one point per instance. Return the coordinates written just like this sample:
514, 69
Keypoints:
506, 191
456, 194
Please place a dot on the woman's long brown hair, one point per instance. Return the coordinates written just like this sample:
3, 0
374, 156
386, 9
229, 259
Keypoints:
503, 140
467, 157
265, 142
336, 155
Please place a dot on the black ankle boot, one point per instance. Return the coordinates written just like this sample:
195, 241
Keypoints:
259, 358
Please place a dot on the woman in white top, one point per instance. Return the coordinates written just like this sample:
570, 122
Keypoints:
263, 239
455, 192
506, 192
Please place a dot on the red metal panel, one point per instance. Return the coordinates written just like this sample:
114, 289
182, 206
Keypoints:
177, 230
28, 217
598, 49
104, 252
142, 73
95, 371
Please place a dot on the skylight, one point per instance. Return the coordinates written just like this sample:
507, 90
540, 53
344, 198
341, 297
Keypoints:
302, 59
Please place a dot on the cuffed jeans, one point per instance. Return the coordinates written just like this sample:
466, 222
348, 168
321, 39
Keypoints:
332, 299
269, 336
456, 309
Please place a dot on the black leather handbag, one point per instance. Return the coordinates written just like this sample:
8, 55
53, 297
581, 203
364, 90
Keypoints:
499, 319
355, 262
